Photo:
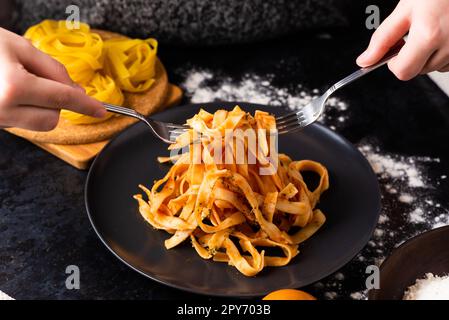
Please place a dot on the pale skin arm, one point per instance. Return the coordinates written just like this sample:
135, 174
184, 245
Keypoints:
427, 46
34, 87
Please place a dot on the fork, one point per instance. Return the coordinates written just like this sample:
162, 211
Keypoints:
312, 111
168, 132
165, 131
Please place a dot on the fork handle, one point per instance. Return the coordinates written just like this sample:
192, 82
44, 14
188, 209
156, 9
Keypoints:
123, 111
363, 71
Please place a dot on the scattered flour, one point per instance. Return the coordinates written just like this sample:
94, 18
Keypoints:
406, 177
202, 86
400, 168
339, 276
331, 295
417, 216
406, 198
379, 233
383, 218
411, 197
195, 79
358, 296
441, 220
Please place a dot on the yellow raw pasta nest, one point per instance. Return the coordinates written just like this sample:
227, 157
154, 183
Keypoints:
48, 27
79, 50
131, 62
102, 88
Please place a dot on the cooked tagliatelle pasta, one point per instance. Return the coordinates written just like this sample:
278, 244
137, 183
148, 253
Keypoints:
230, 210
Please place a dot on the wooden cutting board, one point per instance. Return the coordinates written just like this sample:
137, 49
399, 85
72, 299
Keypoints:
81, 155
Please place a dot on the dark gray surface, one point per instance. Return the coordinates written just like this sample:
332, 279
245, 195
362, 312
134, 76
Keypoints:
8, 14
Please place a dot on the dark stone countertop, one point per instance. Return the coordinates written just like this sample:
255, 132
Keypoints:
44, 226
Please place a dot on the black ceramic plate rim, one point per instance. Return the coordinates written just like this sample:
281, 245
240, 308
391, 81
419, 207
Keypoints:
343, 260
413, 241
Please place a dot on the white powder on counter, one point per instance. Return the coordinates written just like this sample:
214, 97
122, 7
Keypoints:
430, 288
202, 86
407, 178
331, 295
358, 296
339, 276
417, 216
383, 218
441, 220
408, 193
398, 167
379, 233
194, 80
406, 198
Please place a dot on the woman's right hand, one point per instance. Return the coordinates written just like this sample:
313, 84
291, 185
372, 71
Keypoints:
427, 46
34, 87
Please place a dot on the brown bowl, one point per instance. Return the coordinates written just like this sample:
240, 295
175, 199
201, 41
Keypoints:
427, 252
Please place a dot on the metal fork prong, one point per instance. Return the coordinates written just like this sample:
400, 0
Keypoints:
312, 111
176, 126
177, 132
287, 117
295, 120
290, 129
294, 127
294, 117
173, 138
175, 135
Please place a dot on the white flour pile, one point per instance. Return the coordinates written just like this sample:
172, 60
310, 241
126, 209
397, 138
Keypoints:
430, 288
202, 86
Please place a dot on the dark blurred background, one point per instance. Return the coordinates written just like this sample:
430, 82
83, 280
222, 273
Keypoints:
200, 22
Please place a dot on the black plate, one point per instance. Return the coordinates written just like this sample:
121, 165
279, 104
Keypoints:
352, 206
422, 254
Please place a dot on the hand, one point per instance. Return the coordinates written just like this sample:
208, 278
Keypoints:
34, 87
427, 47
